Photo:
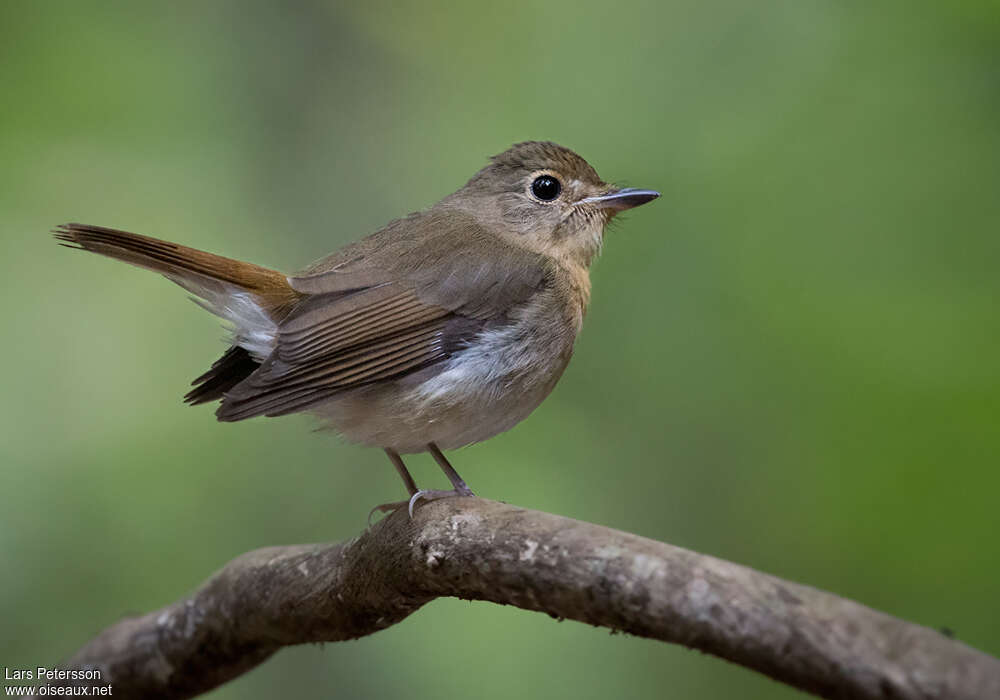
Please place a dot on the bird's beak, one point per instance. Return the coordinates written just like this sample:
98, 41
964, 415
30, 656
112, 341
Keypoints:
622, 199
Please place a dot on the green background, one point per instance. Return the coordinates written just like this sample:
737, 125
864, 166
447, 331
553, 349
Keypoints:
790, 360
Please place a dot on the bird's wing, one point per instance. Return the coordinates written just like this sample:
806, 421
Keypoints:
381, 309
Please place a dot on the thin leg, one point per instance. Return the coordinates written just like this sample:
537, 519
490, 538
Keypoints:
404, 474
397, 461
461, 488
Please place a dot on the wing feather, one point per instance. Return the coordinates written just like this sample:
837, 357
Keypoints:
337, 369
278, 388
340, 332
394, 303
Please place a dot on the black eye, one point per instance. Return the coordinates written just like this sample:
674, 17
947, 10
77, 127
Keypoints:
546, 188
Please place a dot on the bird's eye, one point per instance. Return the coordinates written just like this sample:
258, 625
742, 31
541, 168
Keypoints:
546, 188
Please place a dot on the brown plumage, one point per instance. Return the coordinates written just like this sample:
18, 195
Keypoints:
443, 328
172, 259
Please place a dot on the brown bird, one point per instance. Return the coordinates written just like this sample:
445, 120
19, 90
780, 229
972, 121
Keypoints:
442, 329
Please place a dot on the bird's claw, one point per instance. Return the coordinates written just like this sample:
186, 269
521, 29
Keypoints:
384, 508
433, 495
421, 495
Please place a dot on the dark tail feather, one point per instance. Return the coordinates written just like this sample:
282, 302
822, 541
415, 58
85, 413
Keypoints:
228, 371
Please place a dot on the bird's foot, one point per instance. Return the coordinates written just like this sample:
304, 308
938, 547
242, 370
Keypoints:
386, 508
434, 494
422, 495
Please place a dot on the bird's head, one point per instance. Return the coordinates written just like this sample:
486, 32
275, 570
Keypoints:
544, 197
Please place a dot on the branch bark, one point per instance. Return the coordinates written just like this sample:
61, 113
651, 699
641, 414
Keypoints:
482, 550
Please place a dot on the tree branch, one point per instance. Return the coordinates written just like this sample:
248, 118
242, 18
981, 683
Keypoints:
483, 550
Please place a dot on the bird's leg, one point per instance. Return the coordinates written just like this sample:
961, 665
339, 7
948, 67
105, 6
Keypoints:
461, 488
416, 495
404, 474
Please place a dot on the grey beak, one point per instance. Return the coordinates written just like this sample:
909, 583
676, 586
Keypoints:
622, 199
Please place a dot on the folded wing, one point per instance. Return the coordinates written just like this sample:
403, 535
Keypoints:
381, 309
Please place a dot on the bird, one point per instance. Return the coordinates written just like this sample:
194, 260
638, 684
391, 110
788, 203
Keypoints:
444, 328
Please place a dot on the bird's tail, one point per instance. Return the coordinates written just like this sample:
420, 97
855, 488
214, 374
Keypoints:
186, 266
252, 298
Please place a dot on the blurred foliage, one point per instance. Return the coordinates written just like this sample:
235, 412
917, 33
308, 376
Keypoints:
790, 360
